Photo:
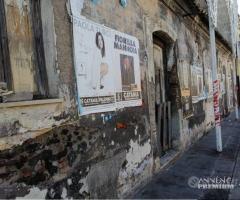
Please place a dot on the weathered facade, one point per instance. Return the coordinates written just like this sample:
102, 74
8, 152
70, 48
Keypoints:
49, 151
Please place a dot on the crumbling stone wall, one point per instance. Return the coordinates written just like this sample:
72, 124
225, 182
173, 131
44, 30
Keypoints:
87, 159
106, 155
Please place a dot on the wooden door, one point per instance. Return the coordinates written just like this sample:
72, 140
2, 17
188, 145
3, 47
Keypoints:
162, 107
159, 74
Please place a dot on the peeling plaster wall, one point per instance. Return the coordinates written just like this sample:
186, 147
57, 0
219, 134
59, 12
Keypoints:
18, 118
80, 160
64, 56
184, 32
29, 118
72, 161
90, 157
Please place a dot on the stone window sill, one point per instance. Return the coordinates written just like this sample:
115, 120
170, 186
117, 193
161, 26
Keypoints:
30, 103
8, 142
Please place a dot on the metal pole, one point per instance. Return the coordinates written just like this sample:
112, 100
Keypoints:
237, 72
215, 84
234, 31
235, 86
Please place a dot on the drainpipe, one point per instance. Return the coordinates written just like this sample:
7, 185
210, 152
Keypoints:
212, 27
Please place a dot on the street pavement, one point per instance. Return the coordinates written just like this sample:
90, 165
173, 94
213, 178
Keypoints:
197, 165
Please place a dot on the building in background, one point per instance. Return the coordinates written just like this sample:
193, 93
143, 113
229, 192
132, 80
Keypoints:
96, 96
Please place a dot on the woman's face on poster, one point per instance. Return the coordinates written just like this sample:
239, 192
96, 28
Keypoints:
100, 41
126, 62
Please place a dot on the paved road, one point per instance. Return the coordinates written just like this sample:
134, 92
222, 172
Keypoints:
201, 161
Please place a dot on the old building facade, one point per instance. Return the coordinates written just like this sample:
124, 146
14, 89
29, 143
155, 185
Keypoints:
48, 148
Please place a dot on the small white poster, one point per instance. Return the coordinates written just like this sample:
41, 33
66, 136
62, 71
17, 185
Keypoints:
107, 67
197, 83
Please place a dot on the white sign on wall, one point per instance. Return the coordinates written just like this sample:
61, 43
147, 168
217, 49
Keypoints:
107, 68
197, 83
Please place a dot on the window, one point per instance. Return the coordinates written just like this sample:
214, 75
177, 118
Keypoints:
22, 67
5, 71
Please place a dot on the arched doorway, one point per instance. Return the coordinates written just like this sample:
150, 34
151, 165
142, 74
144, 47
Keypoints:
163, 47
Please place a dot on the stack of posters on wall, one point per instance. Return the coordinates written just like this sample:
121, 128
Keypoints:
107, 67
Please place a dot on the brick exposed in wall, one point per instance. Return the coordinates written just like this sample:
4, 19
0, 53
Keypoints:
97, 158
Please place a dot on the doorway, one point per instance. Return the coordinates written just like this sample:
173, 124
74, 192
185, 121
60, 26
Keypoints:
162, 104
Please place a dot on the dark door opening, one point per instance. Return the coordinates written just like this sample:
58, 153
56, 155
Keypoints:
162, 105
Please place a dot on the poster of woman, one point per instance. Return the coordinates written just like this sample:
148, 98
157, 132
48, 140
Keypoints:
99, 66
107, 68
